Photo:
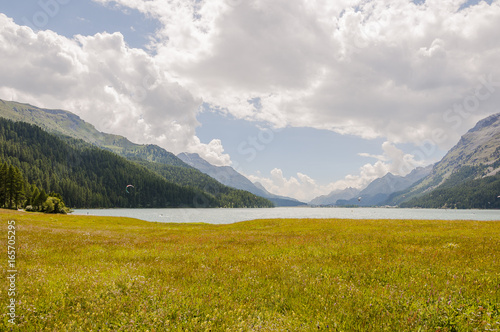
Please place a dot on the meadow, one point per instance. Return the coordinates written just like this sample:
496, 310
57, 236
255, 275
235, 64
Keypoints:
85, 273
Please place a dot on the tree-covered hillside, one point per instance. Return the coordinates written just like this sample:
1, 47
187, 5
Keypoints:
16, 192
87, 176
67, 125
191, 177
479, 148
463, 190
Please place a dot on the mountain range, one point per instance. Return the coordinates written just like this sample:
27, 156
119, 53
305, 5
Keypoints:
178, 170
375, 193
68, 127
466, 177
230, 177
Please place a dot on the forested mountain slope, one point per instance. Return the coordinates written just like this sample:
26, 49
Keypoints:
88, 176
152, 157
465, 177
68, 124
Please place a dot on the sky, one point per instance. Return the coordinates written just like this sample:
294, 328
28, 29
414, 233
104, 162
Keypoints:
304, 96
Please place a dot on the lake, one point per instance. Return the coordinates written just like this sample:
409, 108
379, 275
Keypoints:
228, 216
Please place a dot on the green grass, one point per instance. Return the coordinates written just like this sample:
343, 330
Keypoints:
80, 273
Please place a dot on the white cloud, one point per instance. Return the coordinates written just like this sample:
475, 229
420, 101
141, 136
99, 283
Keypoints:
278, 184
304, 188
391, 69
212, 152
387, 68
118, 89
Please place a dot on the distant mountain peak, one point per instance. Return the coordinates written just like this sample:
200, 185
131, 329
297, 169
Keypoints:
491, 121
334, 196
376, 192
230, 177
191, 155
193, 159
476, 155
260, 186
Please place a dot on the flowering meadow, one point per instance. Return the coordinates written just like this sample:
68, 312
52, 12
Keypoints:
86, 273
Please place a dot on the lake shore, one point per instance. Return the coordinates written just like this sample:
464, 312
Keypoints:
228, 216
83, 273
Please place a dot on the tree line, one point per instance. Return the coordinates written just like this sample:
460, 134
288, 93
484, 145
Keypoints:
15, 192
89, 177
462, 190
190, 177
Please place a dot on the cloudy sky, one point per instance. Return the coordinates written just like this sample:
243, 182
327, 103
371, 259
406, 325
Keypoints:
304, 96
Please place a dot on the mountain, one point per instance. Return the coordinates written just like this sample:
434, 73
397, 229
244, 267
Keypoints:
224, 174
86, 176
90, 177
379, 190
465, 177
334, 196
68, 126
455, 192
71, 125
230, 177
278, 200
390, 183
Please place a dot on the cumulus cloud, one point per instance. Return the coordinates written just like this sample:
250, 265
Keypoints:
118, 89
304, 188
410, 73
212, 152
391, 69
300, 187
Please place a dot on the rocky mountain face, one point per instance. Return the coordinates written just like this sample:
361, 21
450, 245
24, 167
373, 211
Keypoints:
478, 151
230, 177
479, 146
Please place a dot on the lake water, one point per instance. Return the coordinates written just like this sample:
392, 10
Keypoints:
228, 216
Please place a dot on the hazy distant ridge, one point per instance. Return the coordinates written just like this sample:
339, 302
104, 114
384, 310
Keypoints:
230, 177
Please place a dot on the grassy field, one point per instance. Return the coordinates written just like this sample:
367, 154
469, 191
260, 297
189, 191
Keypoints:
81, 273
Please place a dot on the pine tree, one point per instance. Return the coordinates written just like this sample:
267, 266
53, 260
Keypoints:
10, 186
40, 200
18, 188
34, 198
3, 184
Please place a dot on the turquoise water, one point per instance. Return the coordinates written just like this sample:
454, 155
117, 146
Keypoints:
228, 216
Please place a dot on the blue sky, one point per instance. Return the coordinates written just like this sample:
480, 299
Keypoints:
305, 97
322, 154
84, 18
